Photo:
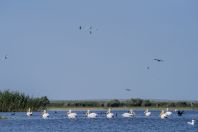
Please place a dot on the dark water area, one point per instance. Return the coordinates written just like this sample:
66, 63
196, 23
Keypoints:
58, 122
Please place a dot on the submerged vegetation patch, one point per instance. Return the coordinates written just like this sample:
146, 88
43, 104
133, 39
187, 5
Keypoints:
3, 118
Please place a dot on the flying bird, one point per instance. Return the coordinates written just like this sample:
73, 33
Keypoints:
89, 29
6, 57
148, 67
127, 89
158, 60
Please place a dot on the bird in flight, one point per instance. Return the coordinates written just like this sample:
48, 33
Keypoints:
127, 89
6, 57
80, 27
89, 29
158, 60
148, 67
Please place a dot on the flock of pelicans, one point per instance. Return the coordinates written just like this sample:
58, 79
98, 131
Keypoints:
109, 114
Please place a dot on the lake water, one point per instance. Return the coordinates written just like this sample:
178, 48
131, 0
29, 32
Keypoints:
58, 122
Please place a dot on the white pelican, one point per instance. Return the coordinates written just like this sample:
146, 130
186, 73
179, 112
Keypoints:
129, 114
29, 112
45, 114
191, 123
147, 112
91, 115
163, 115
168, 113
71, 114
109, 114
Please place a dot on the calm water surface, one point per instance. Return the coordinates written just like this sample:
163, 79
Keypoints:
58, 122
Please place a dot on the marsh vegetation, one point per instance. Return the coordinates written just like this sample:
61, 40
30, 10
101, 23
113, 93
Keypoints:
15, 101
133, 102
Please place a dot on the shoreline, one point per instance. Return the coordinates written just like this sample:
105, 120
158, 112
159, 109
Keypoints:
121, 108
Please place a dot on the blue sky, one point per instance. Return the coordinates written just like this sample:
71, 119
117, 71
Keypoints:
49, 55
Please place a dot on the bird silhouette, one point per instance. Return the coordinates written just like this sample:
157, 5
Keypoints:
89, 29
6, 57
127, 89
180, 113
158, 60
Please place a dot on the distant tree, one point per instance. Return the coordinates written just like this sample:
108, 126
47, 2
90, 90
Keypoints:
135, 102
146, 103
113, 103
183, 104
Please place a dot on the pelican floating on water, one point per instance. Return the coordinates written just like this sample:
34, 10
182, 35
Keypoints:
168, 113
71, 114
45, 114
191, 123
147, 112
91, 115
163, 115
29, 112
129, 114
109, 114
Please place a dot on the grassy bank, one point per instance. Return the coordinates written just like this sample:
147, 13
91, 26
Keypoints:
134, 103
121, 108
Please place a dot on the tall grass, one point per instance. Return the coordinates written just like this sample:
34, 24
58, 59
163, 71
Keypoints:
16, 101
